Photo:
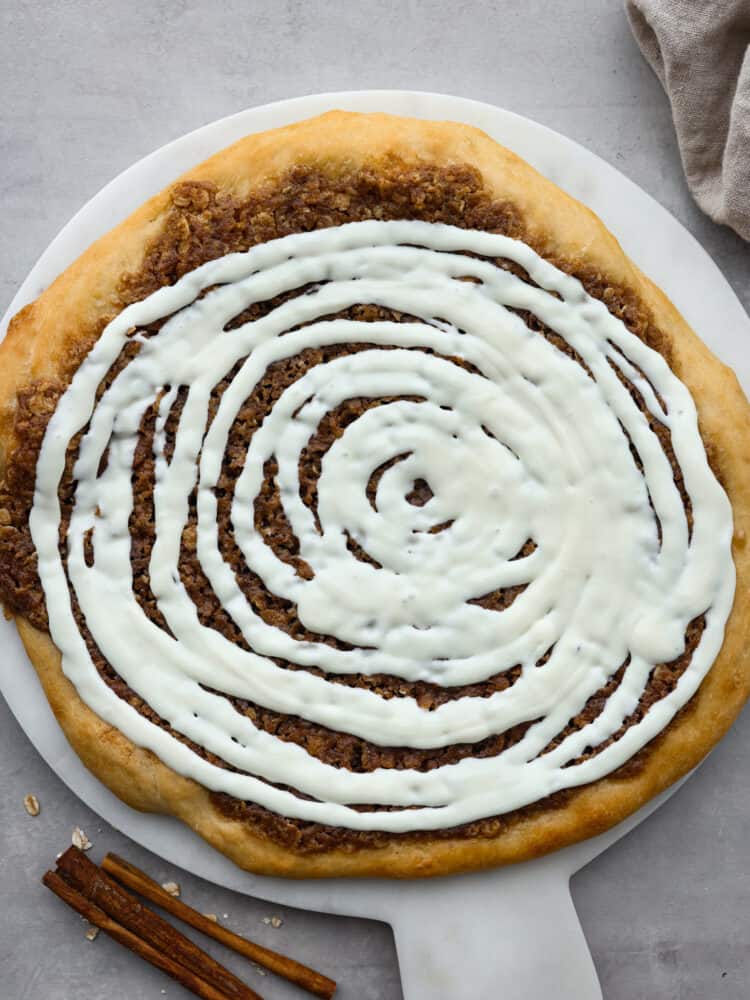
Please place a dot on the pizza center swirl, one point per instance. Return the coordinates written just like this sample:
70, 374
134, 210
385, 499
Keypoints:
477, 458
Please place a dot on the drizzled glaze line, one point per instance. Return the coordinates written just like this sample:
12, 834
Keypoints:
532, 447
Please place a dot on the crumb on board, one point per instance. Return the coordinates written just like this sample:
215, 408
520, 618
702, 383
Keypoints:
171, 887
212, 917
91, 933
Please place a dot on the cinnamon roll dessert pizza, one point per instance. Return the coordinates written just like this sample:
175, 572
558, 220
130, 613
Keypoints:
365, 507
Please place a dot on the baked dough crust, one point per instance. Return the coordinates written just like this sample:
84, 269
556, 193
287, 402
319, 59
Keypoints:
44, 334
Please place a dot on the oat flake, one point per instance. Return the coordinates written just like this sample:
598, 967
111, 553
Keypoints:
31, 805
80, 840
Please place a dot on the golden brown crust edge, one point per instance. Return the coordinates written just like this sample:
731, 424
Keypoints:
43, 334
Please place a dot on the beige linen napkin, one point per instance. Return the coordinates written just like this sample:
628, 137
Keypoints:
700, 50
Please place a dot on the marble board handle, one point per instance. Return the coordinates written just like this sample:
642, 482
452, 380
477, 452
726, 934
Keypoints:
512, 935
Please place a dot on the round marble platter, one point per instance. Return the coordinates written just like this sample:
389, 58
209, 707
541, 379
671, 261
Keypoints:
513, 930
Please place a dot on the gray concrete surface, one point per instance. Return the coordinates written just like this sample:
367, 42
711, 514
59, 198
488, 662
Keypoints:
89, 87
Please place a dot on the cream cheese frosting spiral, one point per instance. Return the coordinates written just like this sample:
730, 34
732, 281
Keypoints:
522, 444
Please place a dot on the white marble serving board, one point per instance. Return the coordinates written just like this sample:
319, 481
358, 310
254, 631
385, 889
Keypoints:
512, 932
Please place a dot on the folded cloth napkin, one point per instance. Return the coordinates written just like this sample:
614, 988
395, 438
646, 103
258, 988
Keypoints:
700, 50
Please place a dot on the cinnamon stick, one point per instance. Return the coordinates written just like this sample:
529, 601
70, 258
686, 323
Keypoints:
123, 936
310, 980
129, 911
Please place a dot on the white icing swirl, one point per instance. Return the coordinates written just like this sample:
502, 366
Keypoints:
523, 442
